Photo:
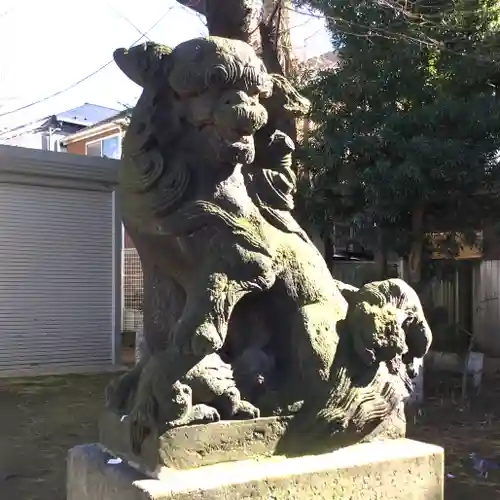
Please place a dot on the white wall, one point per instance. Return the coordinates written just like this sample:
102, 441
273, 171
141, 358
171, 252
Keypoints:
33, 140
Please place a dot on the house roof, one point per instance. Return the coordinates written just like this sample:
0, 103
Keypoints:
118, 119
87, 114
74, 119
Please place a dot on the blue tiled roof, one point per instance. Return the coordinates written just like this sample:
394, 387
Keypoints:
87, 114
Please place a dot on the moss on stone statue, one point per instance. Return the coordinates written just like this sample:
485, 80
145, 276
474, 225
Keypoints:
207, 195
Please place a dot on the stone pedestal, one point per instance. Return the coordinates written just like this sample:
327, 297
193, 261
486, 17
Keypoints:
390, 470
195, 445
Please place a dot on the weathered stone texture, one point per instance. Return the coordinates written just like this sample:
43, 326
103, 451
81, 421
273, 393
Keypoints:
392, 470
257, 326
196, 445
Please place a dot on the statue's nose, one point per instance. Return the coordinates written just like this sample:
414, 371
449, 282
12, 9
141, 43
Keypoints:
240, 112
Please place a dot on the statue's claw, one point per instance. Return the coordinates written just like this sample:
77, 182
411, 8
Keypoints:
246, 411
204, 414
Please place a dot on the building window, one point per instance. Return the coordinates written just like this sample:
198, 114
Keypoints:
109, 147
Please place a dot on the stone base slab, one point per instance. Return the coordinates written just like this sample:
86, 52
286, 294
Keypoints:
388, 470
194, 445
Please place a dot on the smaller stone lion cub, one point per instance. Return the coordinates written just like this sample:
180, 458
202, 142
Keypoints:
388, 323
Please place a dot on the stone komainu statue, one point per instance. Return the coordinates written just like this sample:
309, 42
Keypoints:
259, 325
394, 303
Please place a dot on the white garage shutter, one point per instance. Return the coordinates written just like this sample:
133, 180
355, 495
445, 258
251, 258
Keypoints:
56, 278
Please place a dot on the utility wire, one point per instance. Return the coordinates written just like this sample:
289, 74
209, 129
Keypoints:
73, 85
380, 31
127, 20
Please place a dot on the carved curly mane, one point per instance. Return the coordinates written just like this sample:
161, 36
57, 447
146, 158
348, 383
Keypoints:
150, 146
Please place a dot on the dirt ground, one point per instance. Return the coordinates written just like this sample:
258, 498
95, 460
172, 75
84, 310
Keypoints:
42, 418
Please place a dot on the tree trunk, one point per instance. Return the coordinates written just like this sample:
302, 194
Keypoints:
381, 254
265, 28
415, 255
264, 24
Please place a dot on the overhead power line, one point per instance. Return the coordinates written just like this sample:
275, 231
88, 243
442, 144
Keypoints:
127, 20
73, 85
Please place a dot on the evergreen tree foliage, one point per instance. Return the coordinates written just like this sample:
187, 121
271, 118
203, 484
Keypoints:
407, 129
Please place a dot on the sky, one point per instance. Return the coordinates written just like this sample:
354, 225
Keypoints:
48, 45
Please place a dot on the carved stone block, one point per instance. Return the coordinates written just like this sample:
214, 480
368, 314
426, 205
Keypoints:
391, 470
196, 445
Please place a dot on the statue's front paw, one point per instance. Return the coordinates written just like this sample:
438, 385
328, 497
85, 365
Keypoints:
246, 411
199, 414
204, 414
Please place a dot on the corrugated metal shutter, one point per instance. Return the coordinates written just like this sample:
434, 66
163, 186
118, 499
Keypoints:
56, 278
486, 307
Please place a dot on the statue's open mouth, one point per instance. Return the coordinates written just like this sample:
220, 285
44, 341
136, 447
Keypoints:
238, 142
234, 134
